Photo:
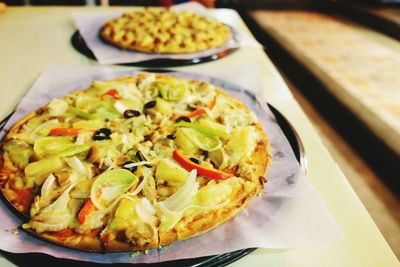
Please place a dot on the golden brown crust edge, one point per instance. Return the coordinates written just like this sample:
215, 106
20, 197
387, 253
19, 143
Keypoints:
210, 220
105, 38
9, 193
92, 243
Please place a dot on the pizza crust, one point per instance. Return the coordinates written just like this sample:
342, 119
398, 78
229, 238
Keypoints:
210, 220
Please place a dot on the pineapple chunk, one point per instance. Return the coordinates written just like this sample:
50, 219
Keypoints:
89, 124
242, 144
126, 209
163, 107
168, 170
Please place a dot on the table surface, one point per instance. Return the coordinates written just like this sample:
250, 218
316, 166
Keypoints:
356, 64
32, 38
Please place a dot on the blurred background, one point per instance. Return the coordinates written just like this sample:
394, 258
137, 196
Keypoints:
341, 60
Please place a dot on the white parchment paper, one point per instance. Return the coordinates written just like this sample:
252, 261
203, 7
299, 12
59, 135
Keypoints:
289, 214
89, 25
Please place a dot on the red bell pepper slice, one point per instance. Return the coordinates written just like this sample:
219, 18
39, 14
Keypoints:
198, 111
65, 131
112, 92
209, 173
87, 208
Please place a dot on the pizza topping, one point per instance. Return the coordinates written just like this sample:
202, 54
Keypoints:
168, 170
81, 113
163, 107
72, 150
202, 170
218, 158
129, 113
178, 201
201, 111
57, 107
128, 166
207, 127
191, 139
44, 128
82, 189
102, 134
37, 171
171, 136
109, 185
194, 160
18, 152
241, 144
171, 89
55, 217
111, 93
150, 104
183, 119
77, 166
51, 144
146, 211
140, 157
64, 131
47, 193
87, 208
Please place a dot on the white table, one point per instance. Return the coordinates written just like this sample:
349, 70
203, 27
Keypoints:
32, 38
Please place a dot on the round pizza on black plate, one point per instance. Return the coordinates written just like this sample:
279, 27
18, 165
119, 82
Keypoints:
133, 163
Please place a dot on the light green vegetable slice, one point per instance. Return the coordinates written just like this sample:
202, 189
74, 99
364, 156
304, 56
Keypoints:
51, 144
39, 170
172, 90
207, 127
89, 124
82, 114
197, 138
109, 185
19, 154
73, 150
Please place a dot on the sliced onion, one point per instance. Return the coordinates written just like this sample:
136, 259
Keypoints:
181, 198
140, 187
140, 163
56, 216
47, 185
80, 139
43, 125
76, 165
120, 107
95, 219
146, 211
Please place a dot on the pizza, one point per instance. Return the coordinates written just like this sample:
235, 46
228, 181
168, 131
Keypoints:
133, 163
166, 32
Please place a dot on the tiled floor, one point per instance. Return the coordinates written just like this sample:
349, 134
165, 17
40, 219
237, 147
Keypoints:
381, 203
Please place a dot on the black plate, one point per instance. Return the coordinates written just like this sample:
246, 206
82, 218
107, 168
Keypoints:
79, 44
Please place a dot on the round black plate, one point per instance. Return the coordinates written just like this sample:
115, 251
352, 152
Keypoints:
79, 44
